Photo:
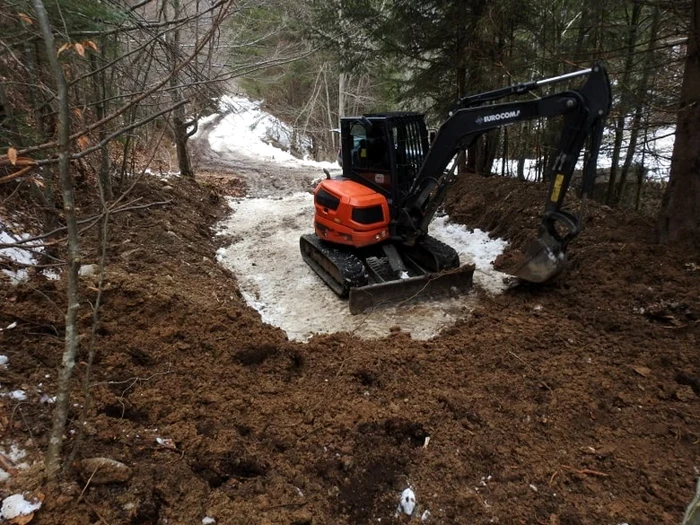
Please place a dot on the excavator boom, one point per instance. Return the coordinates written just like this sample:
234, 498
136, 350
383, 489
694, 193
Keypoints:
584, 111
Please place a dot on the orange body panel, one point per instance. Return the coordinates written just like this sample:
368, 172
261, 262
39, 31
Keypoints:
338, 225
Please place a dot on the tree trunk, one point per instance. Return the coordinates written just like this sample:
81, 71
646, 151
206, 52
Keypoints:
487, 152
641, 94
612, 197
180, 123
504, 160
466, 163
341, 95
99, 85
521, 166
680, 209
60, 413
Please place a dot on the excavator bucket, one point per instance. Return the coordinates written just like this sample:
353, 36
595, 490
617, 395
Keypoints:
545, 257
430, 285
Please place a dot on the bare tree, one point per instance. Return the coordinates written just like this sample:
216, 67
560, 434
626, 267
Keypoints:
60, 414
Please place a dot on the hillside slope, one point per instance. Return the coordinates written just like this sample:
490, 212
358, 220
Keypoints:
572, 403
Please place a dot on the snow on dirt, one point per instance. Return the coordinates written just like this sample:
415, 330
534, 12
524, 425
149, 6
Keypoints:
266, 226
15, 254
275, 280
245, 128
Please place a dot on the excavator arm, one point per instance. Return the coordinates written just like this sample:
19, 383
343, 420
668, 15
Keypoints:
584, 111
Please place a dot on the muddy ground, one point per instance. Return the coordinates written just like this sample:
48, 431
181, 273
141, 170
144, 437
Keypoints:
571, 403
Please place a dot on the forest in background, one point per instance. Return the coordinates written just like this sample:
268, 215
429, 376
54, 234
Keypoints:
94, 93
137, 71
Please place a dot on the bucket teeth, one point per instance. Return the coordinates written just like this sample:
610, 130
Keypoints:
544, 259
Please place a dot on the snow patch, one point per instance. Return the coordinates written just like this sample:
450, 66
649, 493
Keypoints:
247, 129
15, 506
25, 254
16, 456
17, 395
274, 279
475, 247
16, 254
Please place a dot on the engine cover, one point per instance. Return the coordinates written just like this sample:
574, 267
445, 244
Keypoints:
349, 213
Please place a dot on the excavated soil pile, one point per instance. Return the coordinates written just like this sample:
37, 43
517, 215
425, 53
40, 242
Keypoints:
571, 403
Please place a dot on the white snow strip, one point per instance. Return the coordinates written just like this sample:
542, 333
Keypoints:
655, 156
275, 280
247, 129
16, 254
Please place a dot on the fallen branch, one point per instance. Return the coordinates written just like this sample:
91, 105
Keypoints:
7, 465
585, 472
88, 483
692, 516
17, 174
21, 161
528, 365
132, 380
551, 479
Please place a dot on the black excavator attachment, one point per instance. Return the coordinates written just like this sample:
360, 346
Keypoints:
431, 269
545, 256
544, 259
457, 281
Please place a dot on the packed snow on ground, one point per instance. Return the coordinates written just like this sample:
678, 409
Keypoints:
276, 281
247, 129
266, 259
14, 507
16, 255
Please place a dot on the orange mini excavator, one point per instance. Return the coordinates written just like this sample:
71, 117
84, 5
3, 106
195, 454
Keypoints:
370, 239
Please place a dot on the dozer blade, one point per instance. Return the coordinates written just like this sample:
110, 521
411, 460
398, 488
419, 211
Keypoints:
544, 258
392, 293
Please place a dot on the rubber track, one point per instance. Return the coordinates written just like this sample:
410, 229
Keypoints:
379, 269
434, 255
340, 269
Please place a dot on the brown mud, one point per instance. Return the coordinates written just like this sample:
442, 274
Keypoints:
571, 403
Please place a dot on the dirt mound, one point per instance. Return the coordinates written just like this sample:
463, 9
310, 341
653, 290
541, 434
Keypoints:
571, 403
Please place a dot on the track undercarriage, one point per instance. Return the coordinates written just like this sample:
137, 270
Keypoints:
387, 274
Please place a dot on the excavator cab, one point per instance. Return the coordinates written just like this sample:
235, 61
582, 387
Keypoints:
384, 151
